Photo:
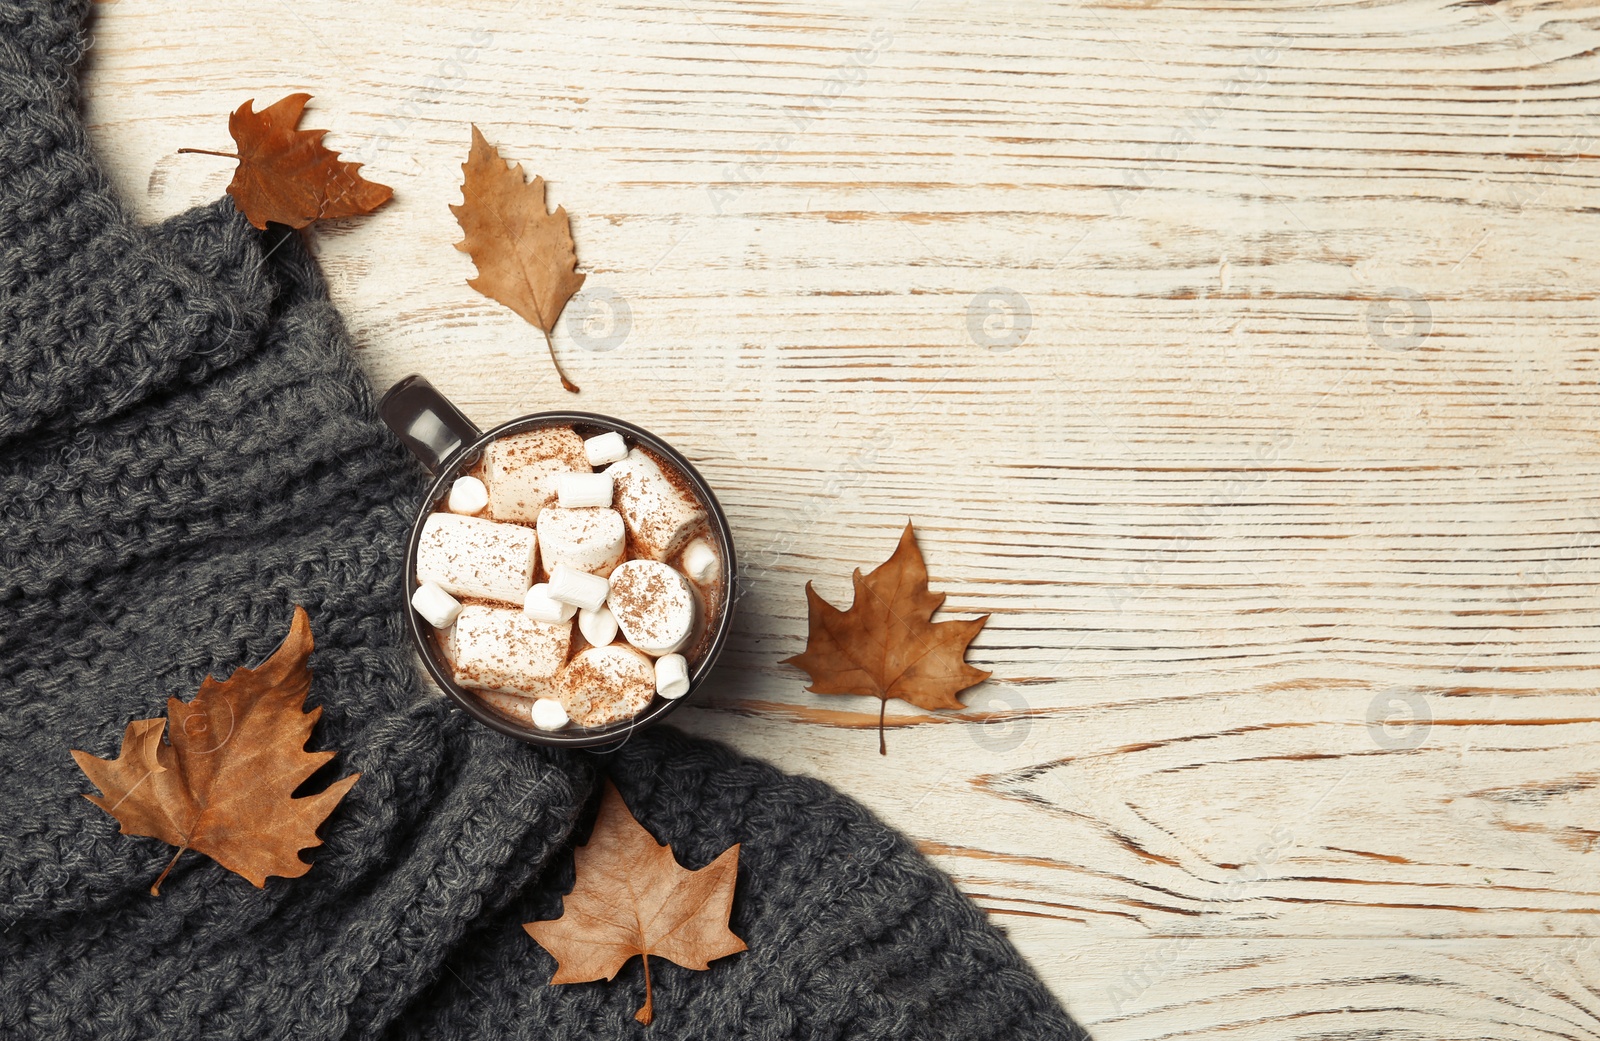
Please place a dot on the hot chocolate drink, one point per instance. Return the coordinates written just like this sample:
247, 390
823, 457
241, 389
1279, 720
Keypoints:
570, 577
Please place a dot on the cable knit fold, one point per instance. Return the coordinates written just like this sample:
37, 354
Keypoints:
187, 451
97, 313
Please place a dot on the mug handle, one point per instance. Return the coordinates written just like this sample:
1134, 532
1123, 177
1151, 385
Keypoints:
426, 422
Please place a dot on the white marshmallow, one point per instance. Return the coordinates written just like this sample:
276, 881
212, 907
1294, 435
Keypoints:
470, 556
672, 676
521, 470
436, 606
590, 539
503, 650
659, 516
583, 490
700, 561
599, 626
548, 714
604, 685
542, 607
578, 588
605, 448
654, 606
467, 495
535, 712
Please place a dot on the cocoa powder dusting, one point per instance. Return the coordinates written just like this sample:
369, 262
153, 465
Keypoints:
581, 677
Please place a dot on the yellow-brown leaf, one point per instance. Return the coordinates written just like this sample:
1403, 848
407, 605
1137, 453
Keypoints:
632, 897
525, 255
224, 785
887, 645
287, 176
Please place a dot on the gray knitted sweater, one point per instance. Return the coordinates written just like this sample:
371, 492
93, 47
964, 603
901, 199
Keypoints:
186, 451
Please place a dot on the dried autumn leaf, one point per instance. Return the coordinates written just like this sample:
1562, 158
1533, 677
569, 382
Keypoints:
631, 897
286, 175
525, 255
886, 644
224, 784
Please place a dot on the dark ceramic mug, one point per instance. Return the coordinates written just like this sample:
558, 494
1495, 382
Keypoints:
447, 444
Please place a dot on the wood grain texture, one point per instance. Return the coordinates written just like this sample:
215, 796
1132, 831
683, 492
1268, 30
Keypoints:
1284, 492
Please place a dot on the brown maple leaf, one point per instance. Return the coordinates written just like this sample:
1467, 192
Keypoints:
287, 176
224, 784
631, 897
886, 644
525, 255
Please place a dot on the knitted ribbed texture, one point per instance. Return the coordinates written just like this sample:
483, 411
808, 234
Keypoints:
186, 451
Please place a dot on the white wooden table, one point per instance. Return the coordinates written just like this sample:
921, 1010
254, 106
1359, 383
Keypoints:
1239, 357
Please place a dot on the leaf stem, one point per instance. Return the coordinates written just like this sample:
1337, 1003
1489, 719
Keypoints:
648, 1012
155, 887
206, 151
566, 384
883, 703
